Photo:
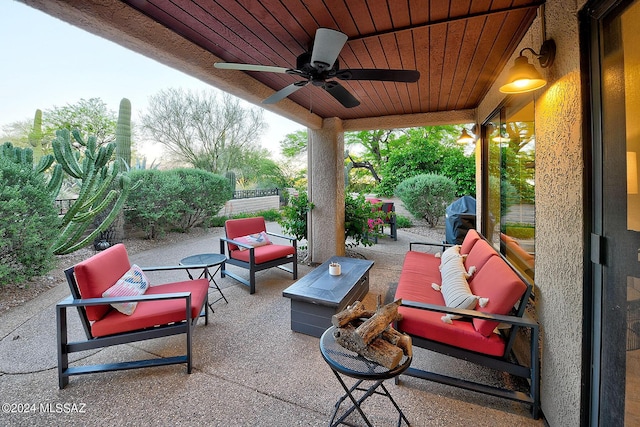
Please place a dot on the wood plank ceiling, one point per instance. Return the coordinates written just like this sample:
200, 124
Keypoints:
459, 46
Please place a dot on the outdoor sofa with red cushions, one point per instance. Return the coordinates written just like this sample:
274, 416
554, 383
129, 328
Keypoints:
474, 337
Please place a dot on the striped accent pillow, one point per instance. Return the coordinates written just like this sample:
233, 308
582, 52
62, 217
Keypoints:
455, 288
131, 284
255, 240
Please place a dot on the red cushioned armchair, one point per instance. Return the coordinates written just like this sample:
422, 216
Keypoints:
243, 253
162, 310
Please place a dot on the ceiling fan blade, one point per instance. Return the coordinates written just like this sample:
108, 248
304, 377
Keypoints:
249, 67
284, 92
405, 76
343, 96
326, 48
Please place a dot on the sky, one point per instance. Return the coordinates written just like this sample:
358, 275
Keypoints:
46, 63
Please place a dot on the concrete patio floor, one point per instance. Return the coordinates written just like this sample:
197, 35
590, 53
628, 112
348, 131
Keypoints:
250, 369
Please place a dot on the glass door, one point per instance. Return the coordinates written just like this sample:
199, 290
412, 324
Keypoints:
615, 388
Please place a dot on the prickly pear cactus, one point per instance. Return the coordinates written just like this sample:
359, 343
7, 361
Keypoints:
102, 189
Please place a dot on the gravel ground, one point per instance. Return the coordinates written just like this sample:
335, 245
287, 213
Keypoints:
16, 295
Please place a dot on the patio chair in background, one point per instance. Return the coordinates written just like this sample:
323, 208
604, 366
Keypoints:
247, 245
117, 306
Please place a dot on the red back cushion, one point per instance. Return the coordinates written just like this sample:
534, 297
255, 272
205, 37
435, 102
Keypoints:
501, 285
243, 227
469, 240
98, 273
480, 253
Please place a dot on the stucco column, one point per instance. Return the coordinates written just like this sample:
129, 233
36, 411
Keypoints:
326, 191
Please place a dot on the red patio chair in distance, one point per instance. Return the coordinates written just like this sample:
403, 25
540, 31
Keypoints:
255, 258
163, 310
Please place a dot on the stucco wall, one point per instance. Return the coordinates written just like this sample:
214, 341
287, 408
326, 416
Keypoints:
559, 212
252, 204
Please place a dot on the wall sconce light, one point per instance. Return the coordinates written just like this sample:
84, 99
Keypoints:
523, 76
465, 138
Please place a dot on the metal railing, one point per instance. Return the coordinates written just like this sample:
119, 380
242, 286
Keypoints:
246, 194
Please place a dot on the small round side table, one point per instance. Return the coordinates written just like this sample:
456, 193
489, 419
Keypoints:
206, 262
350, 364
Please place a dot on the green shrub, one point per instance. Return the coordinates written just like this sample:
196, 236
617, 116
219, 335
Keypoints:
216, 221
294, 216
177, 199
403, 222
28, 223
427, 196
270, 215
153, 207
426, 154
202, 194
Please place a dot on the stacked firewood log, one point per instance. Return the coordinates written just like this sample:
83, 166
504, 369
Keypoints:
370, 334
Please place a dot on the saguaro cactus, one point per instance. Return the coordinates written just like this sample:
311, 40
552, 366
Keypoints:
231, 176
35, 136
98, 191
123, 135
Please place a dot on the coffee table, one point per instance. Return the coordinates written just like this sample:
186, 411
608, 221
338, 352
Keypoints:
318, 295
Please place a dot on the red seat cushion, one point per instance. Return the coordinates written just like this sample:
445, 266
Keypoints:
264, 253
502, 298
419, 271
98, 273
427, 324
154, 313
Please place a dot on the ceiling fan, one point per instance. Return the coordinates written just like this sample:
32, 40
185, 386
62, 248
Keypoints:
320, 65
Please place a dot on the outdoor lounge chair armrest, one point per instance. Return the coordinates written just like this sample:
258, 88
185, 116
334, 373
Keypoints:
441, 244
282, 236
235, 242
524, 321
71, 302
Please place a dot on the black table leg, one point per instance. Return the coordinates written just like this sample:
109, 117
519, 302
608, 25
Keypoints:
356, 403
207, 275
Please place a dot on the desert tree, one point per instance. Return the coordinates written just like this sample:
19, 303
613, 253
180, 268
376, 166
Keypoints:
203, 129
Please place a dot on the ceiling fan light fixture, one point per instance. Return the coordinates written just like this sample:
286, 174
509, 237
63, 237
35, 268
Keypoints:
523, 76
326, 48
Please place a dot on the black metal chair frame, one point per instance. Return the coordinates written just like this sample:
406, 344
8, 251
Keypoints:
506, 363
75, 300
252, 266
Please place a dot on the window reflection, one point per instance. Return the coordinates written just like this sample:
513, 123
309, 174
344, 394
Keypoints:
510, 223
